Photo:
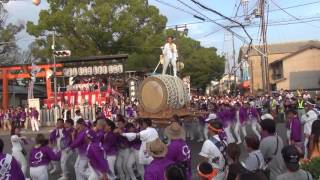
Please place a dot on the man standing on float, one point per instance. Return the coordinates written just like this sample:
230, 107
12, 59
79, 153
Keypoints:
170, 55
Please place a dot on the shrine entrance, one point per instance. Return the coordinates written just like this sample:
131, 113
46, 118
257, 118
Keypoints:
84, 80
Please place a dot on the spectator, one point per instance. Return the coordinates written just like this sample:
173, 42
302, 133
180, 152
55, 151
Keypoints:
206, 171
314, 145
291, 158
270, 147
252, 176
307, 119
175, 172
10, 169
214, 149
156, 169
294, 128
255, 160
178, 150
235, 167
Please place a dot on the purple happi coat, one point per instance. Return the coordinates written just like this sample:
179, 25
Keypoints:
156, 169
80, 142
179, 152
34, 114
253, 114
22, 115
42, 156
12, 172
95, 152
243, 115
294, 124
110, 144
100, 135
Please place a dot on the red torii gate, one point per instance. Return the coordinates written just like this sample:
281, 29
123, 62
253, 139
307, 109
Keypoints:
6, 75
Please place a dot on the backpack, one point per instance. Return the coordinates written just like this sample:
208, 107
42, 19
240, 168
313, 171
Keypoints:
223, 149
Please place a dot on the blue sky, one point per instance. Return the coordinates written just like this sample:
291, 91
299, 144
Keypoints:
23, 11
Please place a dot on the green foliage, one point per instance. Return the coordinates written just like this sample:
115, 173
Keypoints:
313, 167
8, 46
98, 27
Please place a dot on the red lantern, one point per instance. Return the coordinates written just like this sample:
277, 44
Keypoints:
36, 2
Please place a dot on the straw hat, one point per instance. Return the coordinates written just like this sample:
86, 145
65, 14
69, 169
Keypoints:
175, 131
157, 148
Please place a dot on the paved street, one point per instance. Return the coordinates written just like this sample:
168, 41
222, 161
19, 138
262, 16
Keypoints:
195, 148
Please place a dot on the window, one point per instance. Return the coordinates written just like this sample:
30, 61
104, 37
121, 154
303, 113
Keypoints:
277, 70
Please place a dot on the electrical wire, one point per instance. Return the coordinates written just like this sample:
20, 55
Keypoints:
271, 10
289, 14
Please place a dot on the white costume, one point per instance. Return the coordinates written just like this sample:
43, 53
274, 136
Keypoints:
307, 119
17, 152
170, 55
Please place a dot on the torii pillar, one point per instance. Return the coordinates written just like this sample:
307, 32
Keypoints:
5, 82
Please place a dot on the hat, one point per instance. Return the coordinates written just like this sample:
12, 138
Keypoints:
157, 148
266, 116
211, 116
175, 131
291, 157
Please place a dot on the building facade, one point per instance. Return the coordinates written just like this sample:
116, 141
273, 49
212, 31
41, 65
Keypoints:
291, 66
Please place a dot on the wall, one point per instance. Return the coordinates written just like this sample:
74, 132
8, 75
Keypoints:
256, 72
307, 64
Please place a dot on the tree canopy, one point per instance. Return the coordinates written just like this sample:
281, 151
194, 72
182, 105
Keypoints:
8, 36
98, 27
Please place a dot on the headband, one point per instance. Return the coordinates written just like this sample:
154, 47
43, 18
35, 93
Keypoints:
213, 173
214, 129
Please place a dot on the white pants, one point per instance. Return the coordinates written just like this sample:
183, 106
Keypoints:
229, 135
244, 129
21, 159
166, 63
111, 162
206, 131
64, 159
121, 164
34, 124
134, 160
237, 132
93, 175
81, 167
201, 131
39, 173
255, 128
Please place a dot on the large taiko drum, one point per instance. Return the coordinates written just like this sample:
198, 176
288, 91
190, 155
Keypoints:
160, 92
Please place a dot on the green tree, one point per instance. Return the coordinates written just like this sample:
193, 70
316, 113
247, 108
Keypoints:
97, 27
8, 38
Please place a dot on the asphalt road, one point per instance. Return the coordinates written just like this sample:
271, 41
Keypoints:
194, 146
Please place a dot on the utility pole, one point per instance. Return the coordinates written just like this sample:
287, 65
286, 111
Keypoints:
234, 65
264, 58
54, 69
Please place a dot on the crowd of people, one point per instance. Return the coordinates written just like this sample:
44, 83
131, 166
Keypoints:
127, 147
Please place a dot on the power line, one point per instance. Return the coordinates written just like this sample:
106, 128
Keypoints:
219, 19
291, 14
174, 7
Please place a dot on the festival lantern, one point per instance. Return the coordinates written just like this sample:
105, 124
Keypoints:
36, 2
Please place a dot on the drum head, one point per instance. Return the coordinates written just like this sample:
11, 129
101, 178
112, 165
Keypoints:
153, 95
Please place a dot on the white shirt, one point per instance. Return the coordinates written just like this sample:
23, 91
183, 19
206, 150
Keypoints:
170, 51
147, 135
210, 150
16, 143
308, 119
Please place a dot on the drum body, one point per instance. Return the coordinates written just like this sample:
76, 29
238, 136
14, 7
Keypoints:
161, 92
